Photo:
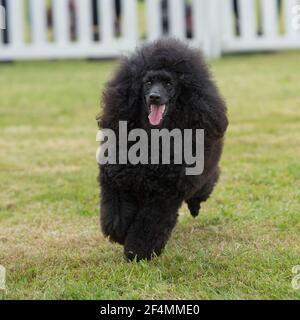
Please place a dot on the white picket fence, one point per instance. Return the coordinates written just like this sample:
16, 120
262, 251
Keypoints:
271, 23
217, 28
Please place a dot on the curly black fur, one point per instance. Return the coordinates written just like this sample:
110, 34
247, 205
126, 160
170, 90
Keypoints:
139, 203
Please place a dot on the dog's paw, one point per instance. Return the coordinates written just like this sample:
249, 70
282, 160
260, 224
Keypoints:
194, 210
135, 254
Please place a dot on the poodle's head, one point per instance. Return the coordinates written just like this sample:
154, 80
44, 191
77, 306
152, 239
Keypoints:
160, 90
164, 84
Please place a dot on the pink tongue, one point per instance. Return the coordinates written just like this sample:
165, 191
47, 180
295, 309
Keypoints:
156, 114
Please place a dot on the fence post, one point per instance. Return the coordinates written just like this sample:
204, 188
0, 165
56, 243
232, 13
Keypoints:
213, 37
227, 22
153, 12
106, 20
61, 22
84, 22
270, 18
177, 18
129, 23
247, 19
38, 26
14, 11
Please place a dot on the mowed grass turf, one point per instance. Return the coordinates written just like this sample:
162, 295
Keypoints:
242, 246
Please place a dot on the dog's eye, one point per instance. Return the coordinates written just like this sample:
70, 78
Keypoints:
169, 84
148, 83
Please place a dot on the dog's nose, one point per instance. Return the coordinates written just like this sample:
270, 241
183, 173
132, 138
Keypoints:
154, 97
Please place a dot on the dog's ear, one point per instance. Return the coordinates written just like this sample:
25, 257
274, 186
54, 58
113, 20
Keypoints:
202, 103
120, 98
211, 109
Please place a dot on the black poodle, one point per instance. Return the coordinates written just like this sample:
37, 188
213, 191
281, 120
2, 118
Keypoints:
165, 84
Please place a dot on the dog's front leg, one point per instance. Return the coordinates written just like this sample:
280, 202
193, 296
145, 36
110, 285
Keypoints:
117, 211
151, 229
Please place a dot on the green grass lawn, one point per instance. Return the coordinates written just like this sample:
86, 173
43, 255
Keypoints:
242, 246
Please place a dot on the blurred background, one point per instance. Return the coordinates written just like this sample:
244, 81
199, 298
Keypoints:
49, 29
55, 58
